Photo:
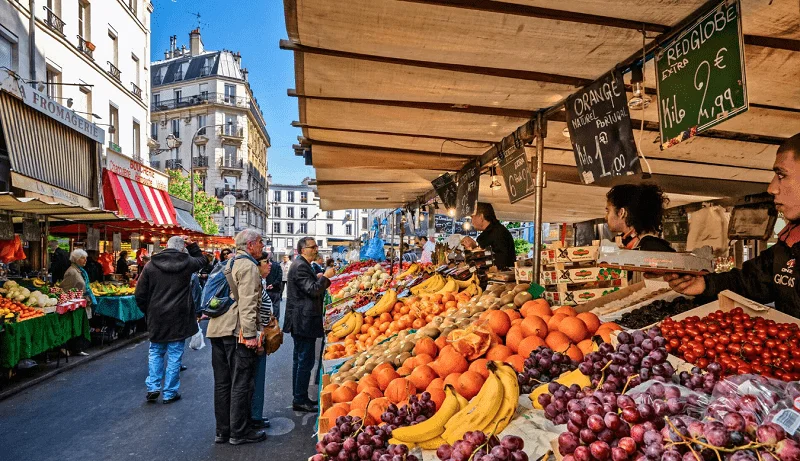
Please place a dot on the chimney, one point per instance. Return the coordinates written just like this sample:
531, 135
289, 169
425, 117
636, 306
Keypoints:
244, 74
195, 42
166, 55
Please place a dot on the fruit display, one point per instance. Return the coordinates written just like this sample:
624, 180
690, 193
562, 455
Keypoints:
12, 310
352, 439
478, 446
741, 344
12, 290
542, 366
637, 297
110, 289
655, 312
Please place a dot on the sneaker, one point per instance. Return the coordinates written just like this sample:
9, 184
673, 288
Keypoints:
173, 399
305, 407
219, 438
153, 396
83, 354
252, 437
183, 368
262, 423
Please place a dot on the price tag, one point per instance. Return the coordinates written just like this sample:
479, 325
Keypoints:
468, 187
365, 307
517, 174
446, 189
403, 294
788, 419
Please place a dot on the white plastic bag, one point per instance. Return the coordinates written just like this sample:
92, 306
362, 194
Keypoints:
198, 341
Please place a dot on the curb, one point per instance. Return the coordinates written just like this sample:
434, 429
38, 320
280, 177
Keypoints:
50, 374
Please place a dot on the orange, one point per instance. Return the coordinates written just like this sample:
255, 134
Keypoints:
513, 314
498, 352
574, 328
566, 310
385, 317
591, 321
498, 322
438, 396
530, 344
423, 359
585, 346
516, 361
557, 341
514, 336
452, 379
422, 376
479, 366
534, 325
436, 384
538, 307
517, 321
574, 353
469, 384
351, 384
366, 382
555, 321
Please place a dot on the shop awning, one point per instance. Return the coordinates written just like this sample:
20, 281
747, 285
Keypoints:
187, 221
134, 200
54, 211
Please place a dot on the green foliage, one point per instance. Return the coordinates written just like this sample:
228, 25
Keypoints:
521, 246
204, 205
513, 225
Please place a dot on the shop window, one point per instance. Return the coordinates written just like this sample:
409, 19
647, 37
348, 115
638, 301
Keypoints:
290, 228
303, 213
113, 121
276, 227
329, 229
290, 212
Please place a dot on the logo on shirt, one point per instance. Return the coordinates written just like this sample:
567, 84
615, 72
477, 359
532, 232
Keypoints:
786, 280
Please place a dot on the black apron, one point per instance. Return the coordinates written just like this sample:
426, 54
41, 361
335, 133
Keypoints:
785, 276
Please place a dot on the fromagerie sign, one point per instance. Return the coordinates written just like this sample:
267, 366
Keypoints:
700, 75
600, 131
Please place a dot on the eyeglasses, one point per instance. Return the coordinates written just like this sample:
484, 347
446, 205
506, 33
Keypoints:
314, 247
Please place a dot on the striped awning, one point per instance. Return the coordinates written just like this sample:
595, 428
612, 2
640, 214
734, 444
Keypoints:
134, 200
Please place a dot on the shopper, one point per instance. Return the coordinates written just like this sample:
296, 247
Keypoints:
428, 248
234, 339
122, 264
318, 265
636, 211
59, 261
273, 284
163, 294
93, 268
265, 313
77, 278
225, 254
210, 264
771, 276
304, 311
285, 265
494, 236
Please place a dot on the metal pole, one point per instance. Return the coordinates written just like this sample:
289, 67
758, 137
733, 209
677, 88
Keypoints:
191, 168
537, 237
391, 246
32, 40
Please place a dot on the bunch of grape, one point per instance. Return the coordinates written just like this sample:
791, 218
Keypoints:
349, 440
543, 366
476, 446
418, 410
640, 355
702, 382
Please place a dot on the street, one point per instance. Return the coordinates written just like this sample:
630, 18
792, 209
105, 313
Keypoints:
98, 412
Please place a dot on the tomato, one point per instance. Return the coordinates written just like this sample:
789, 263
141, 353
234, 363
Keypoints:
773, 331
690, 357
724, 340
709, 343
783, 335
720, 348
713, 328
749, 350
734, 348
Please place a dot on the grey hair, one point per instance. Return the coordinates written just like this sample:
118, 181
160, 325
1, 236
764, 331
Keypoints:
244, 237
303, 243
76, 255
176, 243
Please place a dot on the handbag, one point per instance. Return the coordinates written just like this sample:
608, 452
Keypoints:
272, 337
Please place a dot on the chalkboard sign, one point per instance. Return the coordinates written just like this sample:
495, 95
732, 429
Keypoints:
700, 75
459, 229
600, 131
446, 188
468, 179
517, 173
444, 224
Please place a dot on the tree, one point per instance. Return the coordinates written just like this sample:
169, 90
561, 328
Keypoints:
204, 205
521, 247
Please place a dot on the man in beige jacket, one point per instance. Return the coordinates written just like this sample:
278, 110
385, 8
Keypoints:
234, 339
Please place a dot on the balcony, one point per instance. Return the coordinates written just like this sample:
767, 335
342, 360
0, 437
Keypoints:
240, 194
231, 164
113, 71
86, 47
173, 164
230, 134
205, 71
54, 22
155, 164
200, 162
136, 90
198, 100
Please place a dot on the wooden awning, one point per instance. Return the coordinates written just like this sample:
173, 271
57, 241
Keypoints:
394, 92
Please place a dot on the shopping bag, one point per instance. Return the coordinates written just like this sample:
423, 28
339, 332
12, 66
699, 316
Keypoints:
198, 341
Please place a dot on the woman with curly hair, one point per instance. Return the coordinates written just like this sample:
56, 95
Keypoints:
636, 211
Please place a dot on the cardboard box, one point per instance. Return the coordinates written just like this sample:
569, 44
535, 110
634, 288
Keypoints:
581, 275
569, 255
577, 297
610, 255
524, 274
728, 301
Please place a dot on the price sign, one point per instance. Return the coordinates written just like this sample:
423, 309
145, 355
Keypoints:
600, 131
700, 75
468, 179
517, 173
444, 224
446, 188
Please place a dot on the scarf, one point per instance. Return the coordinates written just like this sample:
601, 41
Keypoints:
630, 240
790, 234
88, 289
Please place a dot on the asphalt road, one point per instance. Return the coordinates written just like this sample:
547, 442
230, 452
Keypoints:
97, 411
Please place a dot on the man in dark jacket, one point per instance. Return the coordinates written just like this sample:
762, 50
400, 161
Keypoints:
772, 276
304, 311
274, 285
163, 294
59, 261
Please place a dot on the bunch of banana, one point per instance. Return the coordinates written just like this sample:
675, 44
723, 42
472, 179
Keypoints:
427, 434
350, 323
385, 304
491, 410
412, 269
470, 281
450, 287
38, 283
433, 284
472, 287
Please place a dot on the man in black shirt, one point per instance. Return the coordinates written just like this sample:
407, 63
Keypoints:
494, 236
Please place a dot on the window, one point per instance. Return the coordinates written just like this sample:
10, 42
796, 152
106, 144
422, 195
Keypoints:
276, 227
348, 229
84, 18
154, 130
135, 70
303, 197
160, 74
290, 212
329, 229
319, 242
303, 228
289, 243
364, 223
243, 218
230, 156
276, 195
177, 95
230, 182
290, 196
303, 213
54, 6
132, 5
114, 48
137, 131
176, 127
231, 123
230, 93
113, 120
290, 228
204, 91
276, 212
202, 120
329, 215
6, 53
156, 100
53, 87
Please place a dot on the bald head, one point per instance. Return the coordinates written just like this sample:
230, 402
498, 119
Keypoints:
791, 145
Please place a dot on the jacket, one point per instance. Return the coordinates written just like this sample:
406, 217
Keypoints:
275, 278
73, 279
304, 296
770, 277
59, 263
163, 293
245, 283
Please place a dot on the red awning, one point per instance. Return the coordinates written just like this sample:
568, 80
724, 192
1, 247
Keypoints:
134, 200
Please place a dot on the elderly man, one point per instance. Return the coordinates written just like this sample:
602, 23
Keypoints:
162, 293
234, 340
304, 311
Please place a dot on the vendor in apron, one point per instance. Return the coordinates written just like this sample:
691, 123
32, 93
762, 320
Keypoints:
635, 211
772, 276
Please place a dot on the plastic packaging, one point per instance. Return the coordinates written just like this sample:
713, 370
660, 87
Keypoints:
197, 341
667, 399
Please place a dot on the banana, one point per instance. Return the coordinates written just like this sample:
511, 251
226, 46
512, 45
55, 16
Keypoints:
465, 283
423, 285
429, 285
567, 379
412, 269
432, 427
462, 402
432, 444
385, 304
449, 287
481, 410
341, 321
359, 322
510, 399
346, 328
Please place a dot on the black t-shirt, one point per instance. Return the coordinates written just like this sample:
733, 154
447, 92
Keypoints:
652, 243
498, 239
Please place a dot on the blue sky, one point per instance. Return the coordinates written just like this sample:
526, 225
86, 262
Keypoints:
254, 28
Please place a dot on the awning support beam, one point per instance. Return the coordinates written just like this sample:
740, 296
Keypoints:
540, 133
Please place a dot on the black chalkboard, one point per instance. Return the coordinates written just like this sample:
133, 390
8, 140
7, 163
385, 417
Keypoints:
676, 225
700, 75
600, 131
459, 229
446, 188
444, 224
468, 179
517, 173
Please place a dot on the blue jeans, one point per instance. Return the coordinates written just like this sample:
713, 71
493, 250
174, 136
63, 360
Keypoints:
302, 364
257, 408
174, 352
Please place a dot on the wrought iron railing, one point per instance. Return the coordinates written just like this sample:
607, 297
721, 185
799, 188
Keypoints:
200, 162
199, 99
240, 194
136, 90
230, 131
155, 164
231, 163
114, 71
173, 164
86, 47
53, 21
